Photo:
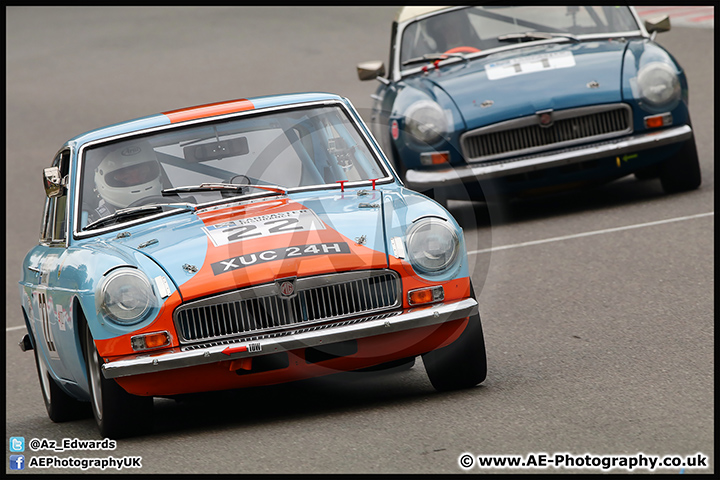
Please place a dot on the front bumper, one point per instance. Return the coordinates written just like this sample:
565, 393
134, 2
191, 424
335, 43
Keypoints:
312, 336
426, 179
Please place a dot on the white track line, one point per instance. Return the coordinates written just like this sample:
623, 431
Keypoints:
587, 234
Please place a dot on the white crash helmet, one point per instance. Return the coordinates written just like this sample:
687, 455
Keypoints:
128, 174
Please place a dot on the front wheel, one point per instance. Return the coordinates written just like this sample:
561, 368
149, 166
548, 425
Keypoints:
117, 413
463, 363
681, 172
60, 406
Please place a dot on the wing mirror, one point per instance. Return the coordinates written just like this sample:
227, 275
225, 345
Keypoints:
657, 25
53, 182
370, 70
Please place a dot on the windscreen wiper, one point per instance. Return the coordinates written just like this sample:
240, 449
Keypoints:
138, 211
222, 187
434, 56
536, 36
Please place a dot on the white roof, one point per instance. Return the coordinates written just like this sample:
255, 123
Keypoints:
408, 13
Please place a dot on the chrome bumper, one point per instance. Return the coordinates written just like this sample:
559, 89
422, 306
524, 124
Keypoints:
301, 338
424, 179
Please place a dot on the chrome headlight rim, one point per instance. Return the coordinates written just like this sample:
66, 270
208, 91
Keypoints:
418, 124
111, 290
411, 236
659, 85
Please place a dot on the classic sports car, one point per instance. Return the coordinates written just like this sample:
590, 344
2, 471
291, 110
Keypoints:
501, 100
243, 243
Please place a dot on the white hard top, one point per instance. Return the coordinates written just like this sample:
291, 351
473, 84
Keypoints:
408, 13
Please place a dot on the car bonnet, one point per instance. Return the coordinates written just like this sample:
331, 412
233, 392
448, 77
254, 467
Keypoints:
249, 243
521, 82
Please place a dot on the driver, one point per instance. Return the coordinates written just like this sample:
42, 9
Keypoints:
126, 175
451, 30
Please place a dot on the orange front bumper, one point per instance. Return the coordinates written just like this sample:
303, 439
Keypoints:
294, 357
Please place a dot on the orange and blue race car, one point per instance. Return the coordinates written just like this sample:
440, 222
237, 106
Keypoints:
237, 244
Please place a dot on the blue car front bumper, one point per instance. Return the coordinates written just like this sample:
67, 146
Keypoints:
426, 179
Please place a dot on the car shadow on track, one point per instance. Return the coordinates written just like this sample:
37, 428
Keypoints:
623, 192
315, 398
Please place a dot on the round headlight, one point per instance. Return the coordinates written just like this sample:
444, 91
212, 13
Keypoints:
426, 121
126, 296
432, 245
659, 84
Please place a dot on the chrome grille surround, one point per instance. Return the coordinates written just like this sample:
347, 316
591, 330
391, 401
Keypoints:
261, 310
524, 136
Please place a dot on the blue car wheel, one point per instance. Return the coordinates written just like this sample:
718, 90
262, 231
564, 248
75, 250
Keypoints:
681, 172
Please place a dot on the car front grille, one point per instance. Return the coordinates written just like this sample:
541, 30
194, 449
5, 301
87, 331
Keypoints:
523, 136
262, 309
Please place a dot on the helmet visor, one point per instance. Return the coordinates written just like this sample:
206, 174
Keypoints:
133, 175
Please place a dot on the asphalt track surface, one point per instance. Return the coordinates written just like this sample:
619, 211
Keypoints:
598, 306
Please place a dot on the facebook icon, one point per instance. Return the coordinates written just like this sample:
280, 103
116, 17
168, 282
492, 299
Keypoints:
17, 462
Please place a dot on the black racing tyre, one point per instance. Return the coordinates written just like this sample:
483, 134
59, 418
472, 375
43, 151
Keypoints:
463, 363
117, 413
60, 406
681, 172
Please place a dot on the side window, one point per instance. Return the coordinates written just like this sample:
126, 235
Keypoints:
60, 222
46, 228
55, 215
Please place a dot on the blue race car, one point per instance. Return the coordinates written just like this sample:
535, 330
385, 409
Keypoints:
499, 100
243, 243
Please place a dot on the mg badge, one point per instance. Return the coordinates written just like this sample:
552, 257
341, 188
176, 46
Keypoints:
287, 288
545, 118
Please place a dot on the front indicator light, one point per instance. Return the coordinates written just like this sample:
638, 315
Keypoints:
438, 158
422, 296
149, 341
662, 120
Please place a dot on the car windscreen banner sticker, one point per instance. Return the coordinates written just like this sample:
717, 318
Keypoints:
273, 254
263, 226
529, 64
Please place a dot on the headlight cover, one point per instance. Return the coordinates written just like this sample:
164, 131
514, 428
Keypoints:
659, 84
126, 296
426, 121
432, 245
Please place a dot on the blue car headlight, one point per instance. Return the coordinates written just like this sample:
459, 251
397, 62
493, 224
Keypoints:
659, 84
432, 245
126, 296
425, 120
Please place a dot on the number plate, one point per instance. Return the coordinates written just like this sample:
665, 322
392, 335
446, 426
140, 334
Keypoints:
263, 226
295, 251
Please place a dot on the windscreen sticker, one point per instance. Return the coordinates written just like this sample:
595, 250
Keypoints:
263, 226
529, 64
273, 254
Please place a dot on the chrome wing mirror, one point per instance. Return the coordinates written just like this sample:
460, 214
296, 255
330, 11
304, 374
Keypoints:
657, 25
370, 70
53, 182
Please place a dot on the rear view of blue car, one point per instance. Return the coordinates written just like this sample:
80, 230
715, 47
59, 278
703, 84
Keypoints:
499, 101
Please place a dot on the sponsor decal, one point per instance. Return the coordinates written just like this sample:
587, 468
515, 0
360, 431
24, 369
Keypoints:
529, 64
263, 226
271, 255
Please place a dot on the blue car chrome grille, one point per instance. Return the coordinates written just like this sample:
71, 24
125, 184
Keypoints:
261, 309
525, 135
